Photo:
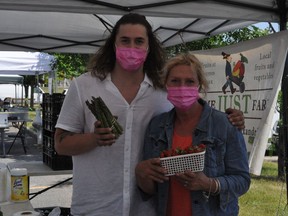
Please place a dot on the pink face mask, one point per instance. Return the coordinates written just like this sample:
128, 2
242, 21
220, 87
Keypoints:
130, 59
182, 97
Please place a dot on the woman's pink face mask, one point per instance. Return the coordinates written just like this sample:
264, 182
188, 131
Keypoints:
182, 97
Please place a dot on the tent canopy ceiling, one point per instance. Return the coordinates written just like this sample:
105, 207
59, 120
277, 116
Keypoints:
80, 26
25, 63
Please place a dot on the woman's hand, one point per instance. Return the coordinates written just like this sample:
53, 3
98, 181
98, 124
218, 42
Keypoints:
151, 169
104, 136
148, 172
236, 117
194, 180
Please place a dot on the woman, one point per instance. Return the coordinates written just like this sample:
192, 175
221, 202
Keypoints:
225, 177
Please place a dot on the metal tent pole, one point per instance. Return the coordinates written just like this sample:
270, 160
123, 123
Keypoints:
283, 133
284, 88
284, 115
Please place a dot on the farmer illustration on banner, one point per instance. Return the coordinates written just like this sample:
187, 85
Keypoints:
236, 76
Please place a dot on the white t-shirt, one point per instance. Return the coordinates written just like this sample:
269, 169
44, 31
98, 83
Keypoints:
104, 178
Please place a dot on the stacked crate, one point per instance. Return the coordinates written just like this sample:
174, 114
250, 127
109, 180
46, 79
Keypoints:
51, 107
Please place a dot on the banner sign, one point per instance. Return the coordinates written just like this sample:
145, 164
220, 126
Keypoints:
247, 76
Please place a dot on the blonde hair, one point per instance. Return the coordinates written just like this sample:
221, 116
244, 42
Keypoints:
191, 60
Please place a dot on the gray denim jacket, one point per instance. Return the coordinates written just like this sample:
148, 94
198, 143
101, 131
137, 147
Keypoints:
225, 159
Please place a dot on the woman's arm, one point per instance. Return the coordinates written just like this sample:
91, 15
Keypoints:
148, 173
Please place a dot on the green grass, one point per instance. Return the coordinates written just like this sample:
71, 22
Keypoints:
31, 115
267, 194
58, 90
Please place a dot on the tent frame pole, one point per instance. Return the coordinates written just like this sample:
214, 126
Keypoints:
284, 88
284, 116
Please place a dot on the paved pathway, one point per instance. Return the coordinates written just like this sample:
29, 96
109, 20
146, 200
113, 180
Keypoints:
34, 151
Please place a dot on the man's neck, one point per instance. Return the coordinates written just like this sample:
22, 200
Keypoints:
119, 75
128, 83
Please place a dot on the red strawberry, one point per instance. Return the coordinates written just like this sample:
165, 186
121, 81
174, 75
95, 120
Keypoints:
202, 146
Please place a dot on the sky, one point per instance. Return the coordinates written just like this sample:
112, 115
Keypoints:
264, 25
10, 90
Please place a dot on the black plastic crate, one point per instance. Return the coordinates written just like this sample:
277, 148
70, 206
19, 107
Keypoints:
50, 116
49, 124
46, 210
53, 98
48, 133
54, 108
57, 162
51, 108
49, 151
48, 142
50, 156
52, 103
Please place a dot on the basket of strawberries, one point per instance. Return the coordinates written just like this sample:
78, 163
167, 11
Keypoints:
178, 160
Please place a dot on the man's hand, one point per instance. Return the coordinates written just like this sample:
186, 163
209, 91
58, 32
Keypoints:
236, 118
103, 136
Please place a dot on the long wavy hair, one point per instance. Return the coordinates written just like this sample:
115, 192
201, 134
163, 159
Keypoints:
104, 59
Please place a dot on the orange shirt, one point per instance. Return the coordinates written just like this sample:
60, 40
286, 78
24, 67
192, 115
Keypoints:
179, 200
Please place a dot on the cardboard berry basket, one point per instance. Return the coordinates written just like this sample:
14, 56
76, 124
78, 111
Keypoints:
180, 163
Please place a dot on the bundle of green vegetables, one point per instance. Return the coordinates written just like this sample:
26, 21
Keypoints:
104, 115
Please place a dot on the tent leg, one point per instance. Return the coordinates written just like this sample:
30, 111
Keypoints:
284, 117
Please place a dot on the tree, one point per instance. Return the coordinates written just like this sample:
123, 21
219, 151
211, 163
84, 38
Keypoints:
220, 40
279, 141
29, 81
70, 65
66, 66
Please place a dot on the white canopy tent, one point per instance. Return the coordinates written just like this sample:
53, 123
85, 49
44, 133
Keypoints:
80, 26
13, 64
25, 63
11, 79
6, 80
